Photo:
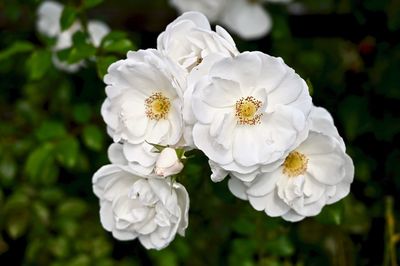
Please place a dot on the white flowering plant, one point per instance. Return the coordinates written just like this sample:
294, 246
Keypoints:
133, 133
249, 113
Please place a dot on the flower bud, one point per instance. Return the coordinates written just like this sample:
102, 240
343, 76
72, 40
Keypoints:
168, 163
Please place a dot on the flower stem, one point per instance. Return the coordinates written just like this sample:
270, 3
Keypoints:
391, 238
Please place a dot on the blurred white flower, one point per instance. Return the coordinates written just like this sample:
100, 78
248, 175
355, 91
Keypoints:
48, 23
151, 209
168, 163
251, 110
316, 173
247, 18
189, 39
49, 14
143, 104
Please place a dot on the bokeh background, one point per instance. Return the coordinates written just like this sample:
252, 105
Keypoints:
52, 140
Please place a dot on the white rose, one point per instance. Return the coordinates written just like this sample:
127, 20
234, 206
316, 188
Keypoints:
150, 209
251, 110
316, 173
189, 39
143, 104
168, 163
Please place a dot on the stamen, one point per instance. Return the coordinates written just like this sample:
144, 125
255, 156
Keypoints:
246, 111
157, 106
295, 164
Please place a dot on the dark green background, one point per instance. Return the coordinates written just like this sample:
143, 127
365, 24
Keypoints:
52, 139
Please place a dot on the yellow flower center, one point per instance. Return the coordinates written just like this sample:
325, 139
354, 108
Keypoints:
246, 111
295, 164
157, 106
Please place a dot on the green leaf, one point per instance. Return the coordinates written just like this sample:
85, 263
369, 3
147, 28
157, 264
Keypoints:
82, 113
17, 223
16, 48
68, 17
49, 130
281, 246
119, 46
310, 87
16, 214
103, 63
72, 208
8, 170
67, 152
332, 214
91, 3
93, 137
81, 52
38, 64
40, 166
117, 42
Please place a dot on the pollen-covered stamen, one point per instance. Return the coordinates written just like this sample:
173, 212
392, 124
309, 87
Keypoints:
157, 106
246, 111
295, 164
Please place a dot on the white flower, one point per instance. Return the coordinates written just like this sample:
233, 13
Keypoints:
49, 15
316, 173
131, 206
189, 39
251, 110
168, 163
210, 8
143, 104
247, 18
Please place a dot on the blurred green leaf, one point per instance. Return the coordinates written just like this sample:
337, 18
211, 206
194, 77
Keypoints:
93, 137
50, 130
118, 46
67, 151
103, 63
331, 214
117, 42
8, 170
68, 17
72, 208
41, 212
38, 64
81, 48
355, 116
16, 214
281, 246
91, 3
16, 48
40, 166
59, 247
81, 113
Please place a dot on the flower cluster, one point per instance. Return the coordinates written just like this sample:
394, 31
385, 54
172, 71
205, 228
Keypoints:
246, 18
249, 113
48, 23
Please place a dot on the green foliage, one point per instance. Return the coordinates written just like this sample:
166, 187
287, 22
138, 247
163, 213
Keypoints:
52, 140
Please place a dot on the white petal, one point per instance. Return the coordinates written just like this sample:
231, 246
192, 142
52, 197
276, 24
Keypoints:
237, 188
292, 216
97, 31
213, 150
274, 206
106, 215
116, 155
264, 184
218, 173
248, 20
